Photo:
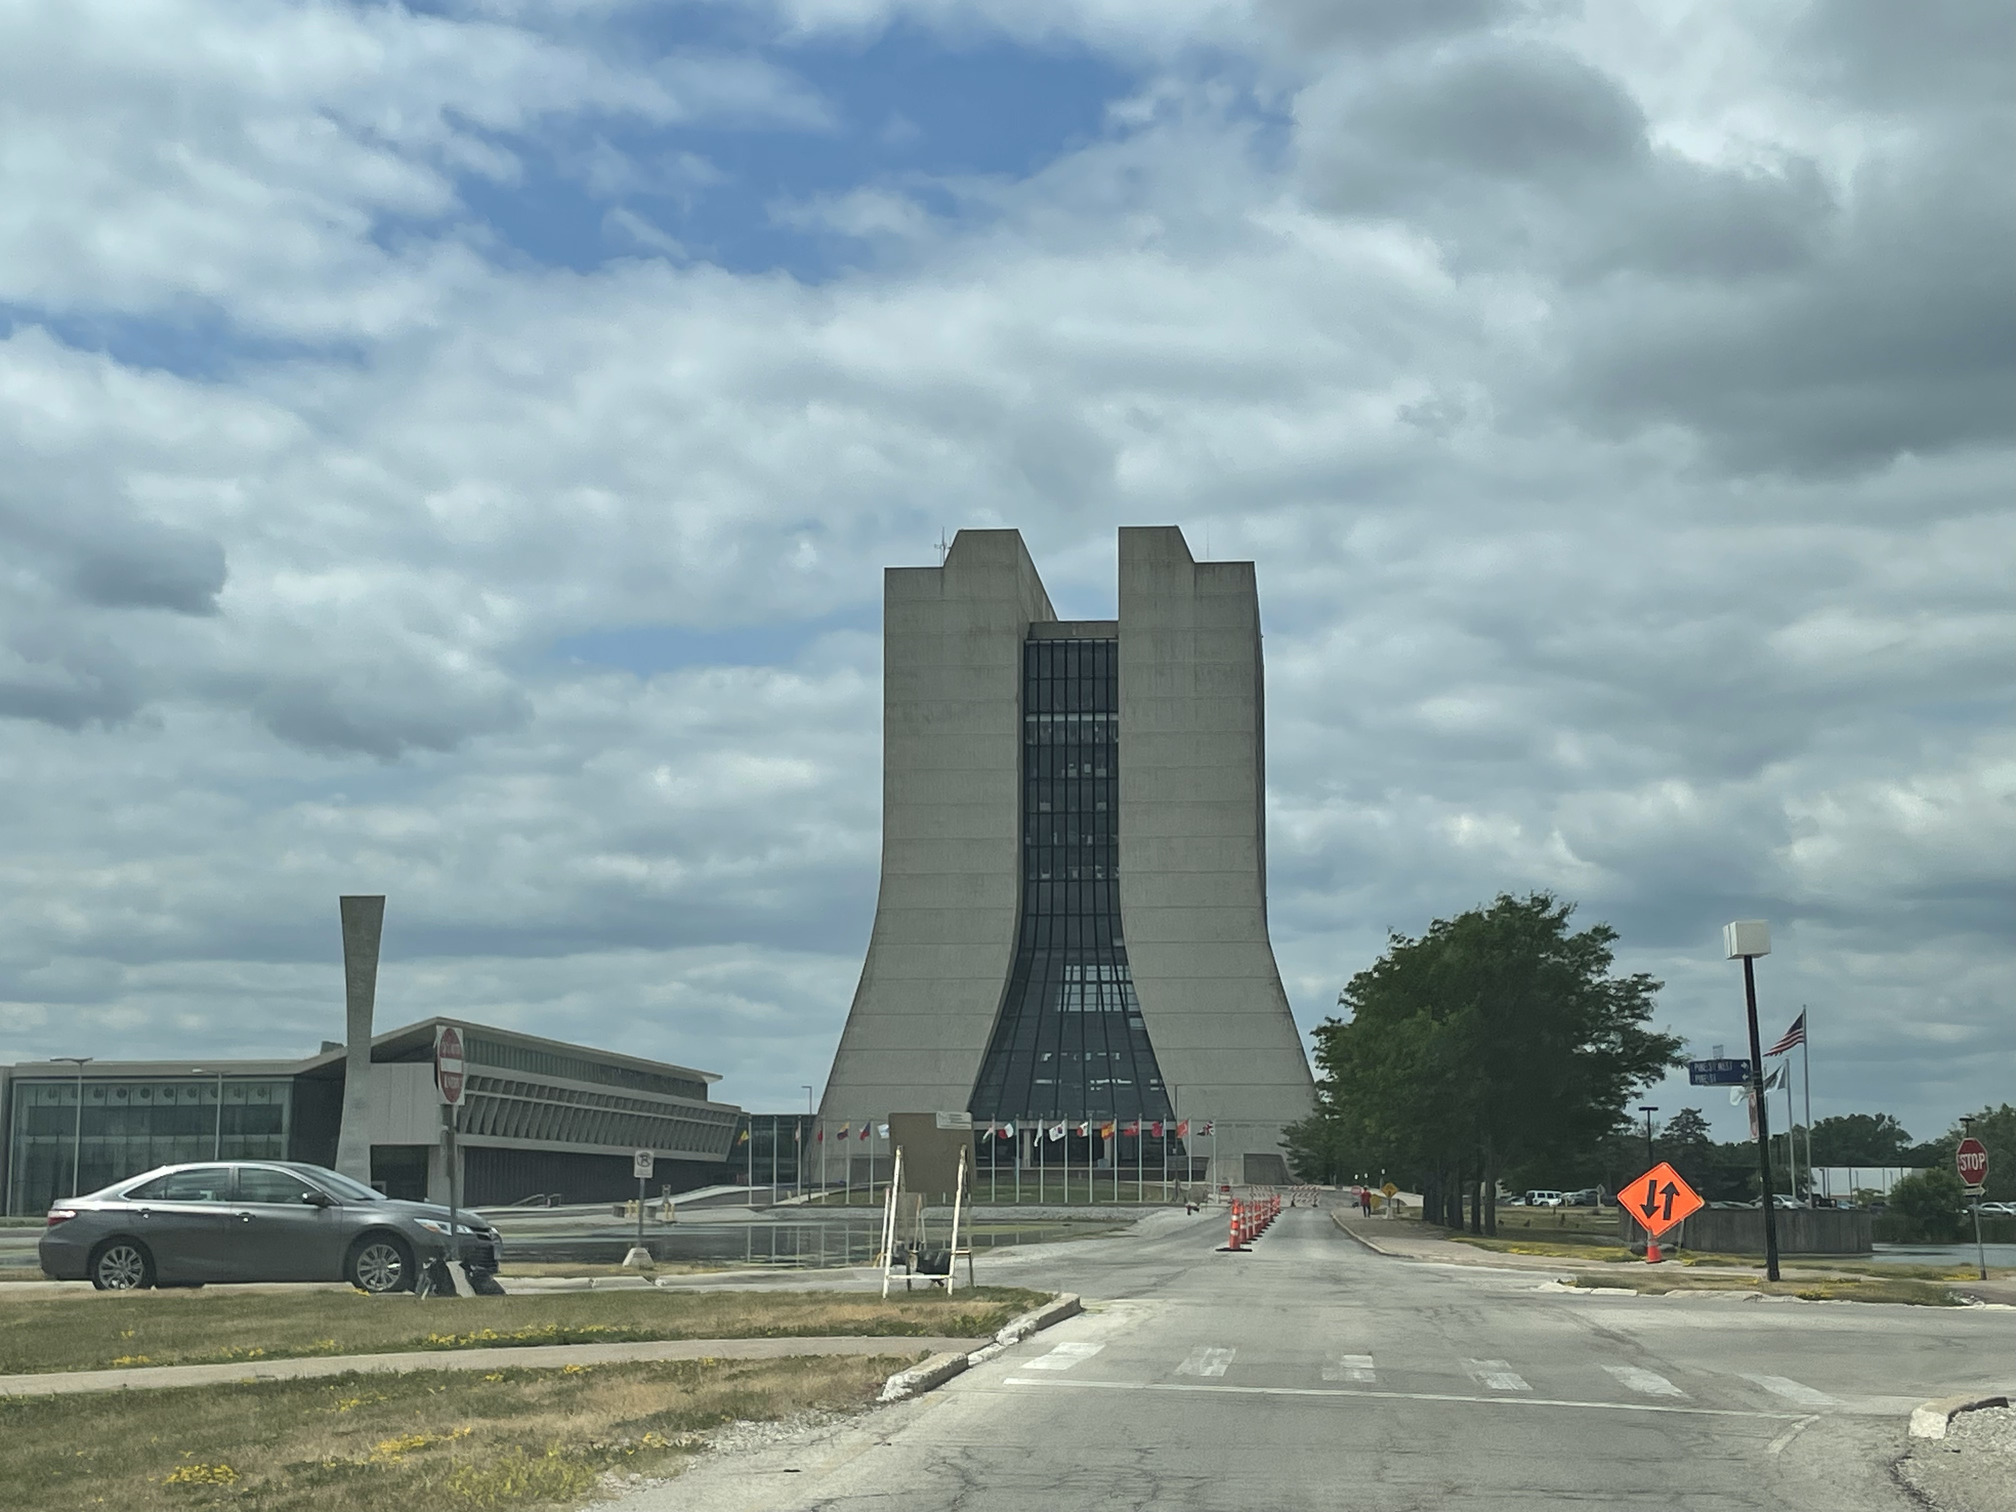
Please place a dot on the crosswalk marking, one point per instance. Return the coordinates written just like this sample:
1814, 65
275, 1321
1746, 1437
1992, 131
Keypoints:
1064, 1356
1791, 1391
1350, 1368
1650, 1382
1495, 1374
1205, 1361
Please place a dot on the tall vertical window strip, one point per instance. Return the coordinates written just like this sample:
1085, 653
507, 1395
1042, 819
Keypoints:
1070, 1042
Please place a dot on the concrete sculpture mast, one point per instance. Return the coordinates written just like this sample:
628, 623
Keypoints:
363, 925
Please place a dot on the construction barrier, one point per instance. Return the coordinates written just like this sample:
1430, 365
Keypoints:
1249, 1220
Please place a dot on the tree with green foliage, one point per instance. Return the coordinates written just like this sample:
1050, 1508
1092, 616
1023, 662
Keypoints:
1860, 1139
1931, 1205
1685, 1142
1497, 1041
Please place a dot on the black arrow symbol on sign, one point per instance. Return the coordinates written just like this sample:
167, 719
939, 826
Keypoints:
1652, 1195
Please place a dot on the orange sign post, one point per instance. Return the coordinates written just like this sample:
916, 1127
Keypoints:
1656, 1201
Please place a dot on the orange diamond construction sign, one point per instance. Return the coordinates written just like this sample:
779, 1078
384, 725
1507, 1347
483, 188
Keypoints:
1658, 1199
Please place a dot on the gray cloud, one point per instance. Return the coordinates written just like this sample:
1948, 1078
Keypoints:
1616, 435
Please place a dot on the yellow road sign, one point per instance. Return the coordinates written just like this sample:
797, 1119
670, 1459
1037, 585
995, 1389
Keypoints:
1390, 1190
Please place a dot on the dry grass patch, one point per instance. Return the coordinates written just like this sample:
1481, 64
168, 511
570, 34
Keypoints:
1570, 1250
506, 1439
97, 1331
1810, 1289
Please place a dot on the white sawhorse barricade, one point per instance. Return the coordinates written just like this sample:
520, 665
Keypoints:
906, 1248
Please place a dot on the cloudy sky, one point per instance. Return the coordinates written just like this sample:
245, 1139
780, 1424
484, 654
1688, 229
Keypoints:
451, 451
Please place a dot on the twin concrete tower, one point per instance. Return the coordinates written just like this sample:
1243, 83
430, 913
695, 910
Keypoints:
1072, 924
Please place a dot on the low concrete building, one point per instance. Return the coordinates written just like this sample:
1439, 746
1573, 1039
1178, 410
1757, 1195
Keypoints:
1071, 932
539, 1118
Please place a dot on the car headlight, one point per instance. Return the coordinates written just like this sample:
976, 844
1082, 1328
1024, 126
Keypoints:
436, 1226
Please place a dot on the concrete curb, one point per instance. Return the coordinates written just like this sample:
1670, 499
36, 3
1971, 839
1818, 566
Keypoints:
939, 1369
1930, 1420
935, 1371
1337, 1219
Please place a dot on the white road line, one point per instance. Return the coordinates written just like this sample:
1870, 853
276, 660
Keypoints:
1393, 1396
1064, 1356
1495, 1374
1350, 1368
1791, 1391
1648, 1381
1205, 1361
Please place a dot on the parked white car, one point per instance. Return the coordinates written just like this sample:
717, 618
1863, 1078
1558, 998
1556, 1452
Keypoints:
1544, 1199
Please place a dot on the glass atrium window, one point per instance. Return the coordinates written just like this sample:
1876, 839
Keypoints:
1070, 1042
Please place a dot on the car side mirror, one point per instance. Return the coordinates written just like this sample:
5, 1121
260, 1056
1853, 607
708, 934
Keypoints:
317, 1199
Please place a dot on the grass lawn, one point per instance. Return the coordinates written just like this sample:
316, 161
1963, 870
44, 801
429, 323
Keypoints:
97, 1331
509, 1438
1586, 1251
1811, 1289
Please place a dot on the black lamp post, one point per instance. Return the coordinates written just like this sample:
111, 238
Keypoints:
1747, 939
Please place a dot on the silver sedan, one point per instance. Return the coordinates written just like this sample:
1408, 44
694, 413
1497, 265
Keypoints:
184, 1225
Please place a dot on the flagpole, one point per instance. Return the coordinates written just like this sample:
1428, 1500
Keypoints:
1806, 1078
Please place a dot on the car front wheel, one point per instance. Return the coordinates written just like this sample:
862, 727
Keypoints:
122, 1265
379, 1264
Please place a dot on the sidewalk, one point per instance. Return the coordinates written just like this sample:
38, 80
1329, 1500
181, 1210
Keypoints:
517, 1356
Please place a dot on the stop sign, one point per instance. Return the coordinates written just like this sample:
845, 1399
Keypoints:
1972, 1160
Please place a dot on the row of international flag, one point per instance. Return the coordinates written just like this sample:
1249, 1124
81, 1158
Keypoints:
1132, 1129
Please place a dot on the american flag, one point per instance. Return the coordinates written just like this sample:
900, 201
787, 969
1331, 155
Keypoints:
1796, 1035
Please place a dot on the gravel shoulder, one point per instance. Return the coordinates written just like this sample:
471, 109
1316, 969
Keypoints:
1972, 1469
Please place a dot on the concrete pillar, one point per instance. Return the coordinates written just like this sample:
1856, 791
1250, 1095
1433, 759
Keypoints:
363, 924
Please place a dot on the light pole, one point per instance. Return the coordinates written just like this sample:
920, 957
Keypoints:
1648, 1109
217, 1133
1747, 939
798, 1144
77, 1133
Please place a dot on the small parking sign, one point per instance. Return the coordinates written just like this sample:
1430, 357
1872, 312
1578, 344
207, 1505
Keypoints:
641, 1163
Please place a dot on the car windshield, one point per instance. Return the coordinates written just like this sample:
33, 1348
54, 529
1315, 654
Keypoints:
338, 1185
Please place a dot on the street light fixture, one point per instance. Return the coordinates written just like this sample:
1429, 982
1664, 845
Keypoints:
1746, 939
217, 1134
77, 1133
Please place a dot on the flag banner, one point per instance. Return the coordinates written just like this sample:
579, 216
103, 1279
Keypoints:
1084, 1130
1056, 1132
864, 1132
1183, 1129
1008, 1131
797, 1133
819, 1135
881, 1131
843, 1132
1133, 1129
1794, 1036
1781, 1077
1203, 1129
1106, 1129
1158, 1128
743, 1137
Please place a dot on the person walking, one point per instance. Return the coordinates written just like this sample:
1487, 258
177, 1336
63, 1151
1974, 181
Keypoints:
1365, 1202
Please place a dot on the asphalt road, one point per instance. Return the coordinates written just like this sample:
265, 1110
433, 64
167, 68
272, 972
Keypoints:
1311, 1373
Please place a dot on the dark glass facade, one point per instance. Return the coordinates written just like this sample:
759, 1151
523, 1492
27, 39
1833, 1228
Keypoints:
1069, 1042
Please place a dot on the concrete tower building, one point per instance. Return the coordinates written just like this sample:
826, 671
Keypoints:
1072, 924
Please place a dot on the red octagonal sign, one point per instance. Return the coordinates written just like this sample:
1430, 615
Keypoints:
1972, 1160
448, 1063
